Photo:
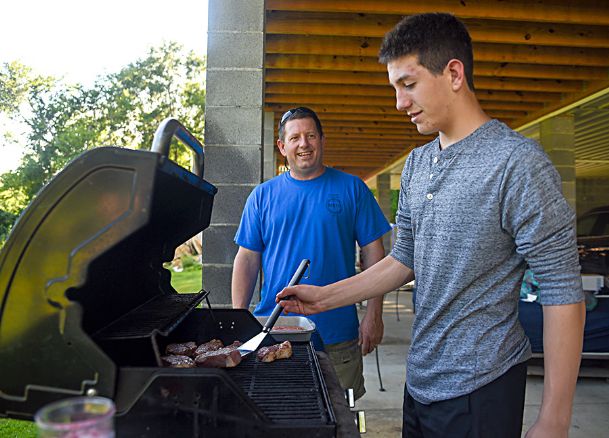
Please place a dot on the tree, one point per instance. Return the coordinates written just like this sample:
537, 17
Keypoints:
121, 109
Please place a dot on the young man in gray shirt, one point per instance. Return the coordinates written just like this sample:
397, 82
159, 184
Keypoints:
476, 205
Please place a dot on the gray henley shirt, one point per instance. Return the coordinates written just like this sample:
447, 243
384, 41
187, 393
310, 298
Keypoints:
469, 217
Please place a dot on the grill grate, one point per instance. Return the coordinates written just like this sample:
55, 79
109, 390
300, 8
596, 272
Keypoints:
287, 390
162, 313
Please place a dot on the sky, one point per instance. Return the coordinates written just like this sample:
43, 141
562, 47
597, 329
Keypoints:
80, 40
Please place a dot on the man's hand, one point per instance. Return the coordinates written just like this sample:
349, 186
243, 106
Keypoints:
543, 429
304, 299
370, 332
371, 328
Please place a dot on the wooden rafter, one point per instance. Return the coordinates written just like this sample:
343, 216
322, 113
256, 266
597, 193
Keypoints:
531, 59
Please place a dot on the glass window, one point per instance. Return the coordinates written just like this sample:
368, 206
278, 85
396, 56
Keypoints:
585, 225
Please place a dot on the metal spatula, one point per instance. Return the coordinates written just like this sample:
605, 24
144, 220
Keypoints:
254, 343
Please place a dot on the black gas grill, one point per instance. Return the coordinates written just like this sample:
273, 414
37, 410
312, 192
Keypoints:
87, 308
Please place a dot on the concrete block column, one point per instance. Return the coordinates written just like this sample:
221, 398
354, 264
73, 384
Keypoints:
557, 136
233, 129
269, 167
383, 193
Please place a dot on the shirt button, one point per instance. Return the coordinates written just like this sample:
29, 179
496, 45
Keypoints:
429, 196
435, 160
430, 175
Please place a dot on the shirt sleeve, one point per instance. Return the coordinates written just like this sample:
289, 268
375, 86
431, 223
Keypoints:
403, 248
537, 215
370, 222
249, 233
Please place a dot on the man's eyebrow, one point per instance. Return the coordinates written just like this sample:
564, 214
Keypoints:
402, 78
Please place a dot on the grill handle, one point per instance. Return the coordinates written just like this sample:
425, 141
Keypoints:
170, 128
278, 309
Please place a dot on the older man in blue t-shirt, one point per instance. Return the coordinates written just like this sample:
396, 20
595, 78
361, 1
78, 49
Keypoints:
317, 213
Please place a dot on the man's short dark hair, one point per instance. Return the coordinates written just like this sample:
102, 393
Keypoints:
302, 112
435, 38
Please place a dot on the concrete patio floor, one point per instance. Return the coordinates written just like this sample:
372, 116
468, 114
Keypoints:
383, 409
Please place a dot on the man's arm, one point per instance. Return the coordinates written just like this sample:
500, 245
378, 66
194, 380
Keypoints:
563, 333
245, 273
383, 277
371, 328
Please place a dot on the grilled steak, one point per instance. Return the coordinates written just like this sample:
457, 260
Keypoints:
183, 349
274, 352
213, 345
178, 361
226, 357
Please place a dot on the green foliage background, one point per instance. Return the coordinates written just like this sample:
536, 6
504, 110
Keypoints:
59, 121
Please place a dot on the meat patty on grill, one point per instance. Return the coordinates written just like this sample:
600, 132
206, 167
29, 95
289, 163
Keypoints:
178, 361
274, 352
182, 349
226, 357
213, 345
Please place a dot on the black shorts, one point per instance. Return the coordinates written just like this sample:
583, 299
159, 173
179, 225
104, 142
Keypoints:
494, 411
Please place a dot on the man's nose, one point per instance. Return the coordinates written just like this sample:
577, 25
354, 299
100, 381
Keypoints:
403, 100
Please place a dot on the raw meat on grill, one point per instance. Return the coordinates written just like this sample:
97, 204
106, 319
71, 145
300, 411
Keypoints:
226, 357
213, 345
182, 349
178, 361
274, 352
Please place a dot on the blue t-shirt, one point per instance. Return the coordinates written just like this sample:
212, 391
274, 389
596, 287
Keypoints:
288, 220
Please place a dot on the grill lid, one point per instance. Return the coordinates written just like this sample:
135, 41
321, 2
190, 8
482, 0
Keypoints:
86, 251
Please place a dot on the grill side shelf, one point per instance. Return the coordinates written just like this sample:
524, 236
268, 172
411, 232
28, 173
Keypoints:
161, 314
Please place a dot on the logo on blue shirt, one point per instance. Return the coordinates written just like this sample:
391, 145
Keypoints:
334, 204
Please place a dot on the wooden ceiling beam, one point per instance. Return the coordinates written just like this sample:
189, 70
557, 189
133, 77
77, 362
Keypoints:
368, 124
387, 92
396, 142
350, 154
498, 70
397, 149
569, 12
489, 31
396, 129
346, 157
364, 136
483, 52
343, 115
316, 99
347, 162
326, 77
592, 88
376, 110
380, 79
386, 149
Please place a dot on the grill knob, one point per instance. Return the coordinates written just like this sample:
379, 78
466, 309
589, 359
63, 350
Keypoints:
91, 392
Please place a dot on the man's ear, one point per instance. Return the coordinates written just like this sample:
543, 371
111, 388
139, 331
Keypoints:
281, 148
457, 74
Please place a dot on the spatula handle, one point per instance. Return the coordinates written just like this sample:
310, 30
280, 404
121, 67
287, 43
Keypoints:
278, 309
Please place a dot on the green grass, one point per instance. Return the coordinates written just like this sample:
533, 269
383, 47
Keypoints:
189, 280
17, 429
